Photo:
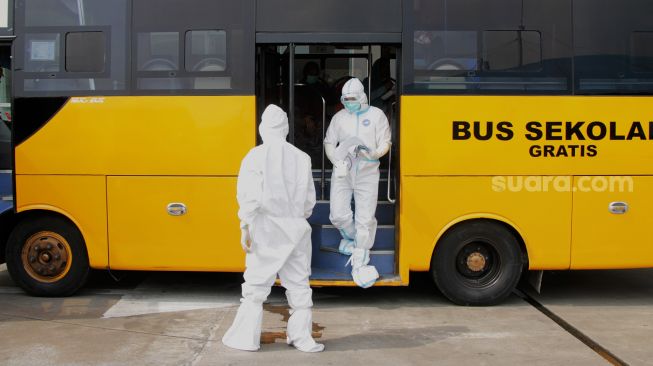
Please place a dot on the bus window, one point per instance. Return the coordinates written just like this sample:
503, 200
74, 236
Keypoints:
158, 51
206, 51
42, 52
481, 47
613, 47
515, 51
445, 50
199, 46
85, 51
71, 46
641, 54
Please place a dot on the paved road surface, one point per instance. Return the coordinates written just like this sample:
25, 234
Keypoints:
179, 318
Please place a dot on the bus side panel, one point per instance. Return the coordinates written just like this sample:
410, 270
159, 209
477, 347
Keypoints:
603, 239
80, 198
145, 236
429, 205
153, 135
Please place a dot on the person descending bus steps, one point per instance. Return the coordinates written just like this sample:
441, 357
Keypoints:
276, 195
368, 126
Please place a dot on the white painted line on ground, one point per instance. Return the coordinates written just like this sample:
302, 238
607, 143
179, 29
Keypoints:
142, 304
154, 297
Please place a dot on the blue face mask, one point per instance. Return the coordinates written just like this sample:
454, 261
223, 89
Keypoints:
312, 79
352, 106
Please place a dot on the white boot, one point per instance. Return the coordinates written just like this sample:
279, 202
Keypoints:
300, 326
245, 332
364, 275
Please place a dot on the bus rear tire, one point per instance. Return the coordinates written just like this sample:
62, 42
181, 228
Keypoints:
46, 256
477, 263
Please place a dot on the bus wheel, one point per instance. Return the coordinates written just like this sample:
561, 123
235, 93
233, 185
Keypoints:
477, 263
46, 256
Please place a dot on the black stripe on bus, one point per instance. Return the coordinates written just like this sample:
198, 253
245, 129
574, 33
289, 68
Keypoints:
30, 114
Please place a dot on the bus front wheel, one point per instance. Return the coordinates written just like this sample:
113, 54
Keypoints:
477, 263
46, 256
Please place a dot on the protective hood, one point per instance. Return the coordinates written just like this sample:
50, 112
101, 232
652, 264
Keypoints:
354, 88
274, 125
284, 194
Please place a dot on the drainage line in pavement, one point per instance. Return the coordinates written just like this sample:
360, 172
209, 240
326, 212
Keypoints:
600, 350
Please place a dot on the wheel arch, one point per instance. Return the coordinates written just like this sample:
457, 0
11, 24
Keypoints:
31, 212
508, 224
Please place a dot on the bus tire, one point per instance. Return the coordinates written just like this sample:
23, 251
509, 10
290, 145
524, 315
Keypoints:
46, 256
477, 263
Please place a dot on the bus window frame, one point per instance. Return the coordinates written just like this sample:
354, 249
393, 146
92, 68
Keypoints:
242, 73
181, 71
526, 81
63, 73
20, 76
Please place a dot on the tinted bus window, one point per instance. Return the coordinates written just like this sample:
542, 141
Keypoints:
613, 46
641, 52
194, 46
512, 51
487, 47
71, 47
85, 51
206, 51
158, 51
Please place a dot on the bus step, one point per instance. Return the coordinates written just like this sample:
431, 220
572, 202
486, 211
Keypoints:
327, 238
384, 261
385, 213
322, 274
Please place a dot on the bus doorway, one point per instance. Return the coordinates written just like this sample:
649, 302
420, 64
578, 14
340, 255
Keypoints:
306, 81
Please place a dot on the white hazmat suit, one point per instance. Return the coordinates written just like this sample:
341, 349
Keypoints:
370, 125
276, 195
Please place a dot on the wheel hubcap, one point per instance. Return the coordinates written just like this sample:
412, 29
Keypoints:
476, 262
46, 256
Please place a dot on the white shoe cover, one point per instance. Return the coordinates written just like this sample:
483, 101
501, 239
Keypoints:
346, 247
365, 276
300, 326
308, 347
245, 332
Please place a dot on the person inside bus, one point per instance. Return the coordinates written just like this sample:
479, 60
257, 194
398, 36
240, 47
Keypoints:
364, 132
383, 85
309, 94
276, 195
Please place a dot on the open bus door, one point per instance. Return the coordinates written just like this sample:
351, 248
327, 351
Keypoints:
306, 81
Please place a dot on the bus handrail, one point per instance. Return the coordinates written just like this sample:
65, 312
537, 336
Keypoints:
389, 196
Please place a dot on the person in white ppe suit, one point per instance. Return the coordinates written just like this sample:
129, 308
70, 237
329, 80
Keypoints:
365, 132
276, 195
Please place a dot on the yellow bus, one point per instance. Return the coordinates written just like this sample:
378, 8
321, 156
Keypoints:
521, 133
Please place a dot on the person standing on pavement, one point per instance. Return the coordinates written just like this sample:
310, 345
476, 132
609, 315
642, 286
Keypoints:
276, 195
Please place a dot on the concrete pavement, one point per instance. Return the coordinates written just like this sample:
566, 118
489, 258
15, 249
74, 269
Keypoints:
179, 319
